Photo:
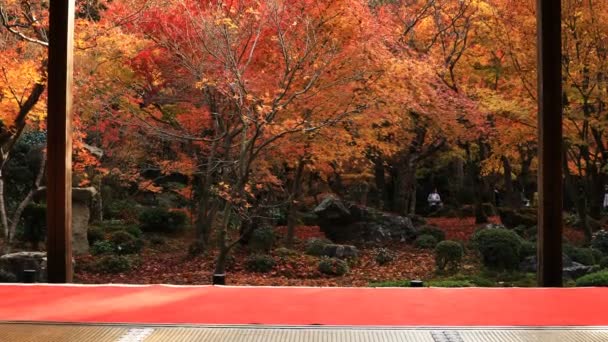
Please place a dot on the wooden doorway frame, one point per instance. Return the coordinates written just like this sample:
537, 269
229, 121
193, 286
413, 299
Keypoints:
550, 187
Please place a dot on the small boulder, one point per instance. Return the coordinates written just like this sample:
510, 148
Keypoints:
17, 263
341, 251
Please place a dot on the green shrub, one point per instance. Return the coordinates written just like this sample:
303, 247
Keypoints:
581, 255
95, 234
391, 283
528, 249
113, 264
433, 231
125, 243
134, 230
500, 249
285, 252
604, 262
262, 239
162, 220
594, 279
426, 242
316, 246
448, 254
600, 241
34, 228
124, 209
451, 283
333, 266
7, 277
260, 263
103, 247
384, 256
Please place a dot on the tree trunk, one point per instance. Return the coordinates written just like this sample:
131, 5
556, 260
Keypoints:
582, 212
224, 248
511, 198
3, 213
295, 195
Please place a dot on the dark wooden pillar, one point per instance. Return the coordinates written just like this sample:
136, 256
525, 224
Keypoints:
550, 186
59, 141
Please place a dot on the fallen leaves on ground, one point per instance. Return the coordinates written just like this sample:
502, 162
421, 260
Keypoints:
170, 264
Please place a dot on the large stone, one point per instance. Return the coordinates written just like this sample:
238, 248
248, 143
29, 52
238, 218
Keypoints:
17, 263
340, 251
571, 269
348, 222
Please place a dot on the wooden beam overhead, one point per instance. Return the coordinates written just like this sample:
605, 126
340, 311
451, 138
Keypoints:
550, 186
59, 141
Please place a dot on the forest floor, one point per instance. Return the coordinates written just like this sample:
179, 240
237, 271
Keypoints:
170, 263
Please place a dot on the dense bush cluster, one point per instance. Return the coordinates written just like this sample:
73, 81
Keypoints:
426, 242
333, 266
262, 239
125, 243
585, 256
436, 232
95, 234
316, 247
500, 249
594, 279
600, 241
260, 263
448, 254
113, 264
162, 220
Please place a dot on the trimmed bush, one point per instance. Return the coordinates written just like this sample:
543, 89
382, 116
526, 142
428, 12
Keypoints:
594, 279
581, 255
7, 277
528, 249
604, 262
500, 249
135, 231
448, 254
123, 209
259, 263
384, 256
434, 231
316, 246
162, 220
600, 241
285, 252
125, 243
390, 283
522, 217
102, 247
333, 267
262, 239
426, 242
113, 264
95, 234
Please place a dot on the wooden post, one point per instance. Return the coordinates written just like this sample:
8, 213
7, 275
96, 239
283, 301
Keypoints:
59, 141
549, 143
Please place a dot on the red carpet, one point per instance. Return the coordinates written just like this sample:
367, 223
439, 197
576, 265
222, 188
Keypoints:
305, 306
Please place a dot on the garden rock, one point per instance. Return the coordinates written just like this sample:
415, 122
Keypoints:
341, 251
348, 222
570, 268
16, 263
